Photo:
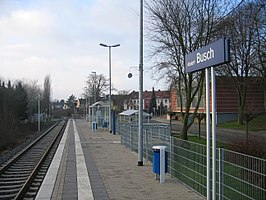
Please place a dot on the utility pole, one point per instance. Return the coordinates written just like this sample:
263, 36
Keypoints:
39, 113
140, 134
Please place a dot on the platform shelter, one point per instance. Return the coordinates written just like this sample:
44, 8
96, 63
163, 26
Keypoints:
99, 113
132, 115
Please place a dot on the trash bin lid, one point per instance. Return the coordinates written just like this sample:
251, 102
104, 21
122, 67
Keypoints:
158, 147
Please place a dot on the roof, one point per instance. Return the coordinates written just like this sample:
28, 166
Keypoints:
132, 112
100, 103
148, 94
128, 112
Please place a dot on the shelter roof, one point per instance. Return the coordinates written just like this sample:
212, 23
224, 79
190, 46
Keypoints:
132, 112
128, 112
100, 103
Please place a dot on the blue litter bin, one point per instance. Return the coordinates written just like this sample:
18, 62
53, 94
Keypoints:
156, 159
94, 126
105, 124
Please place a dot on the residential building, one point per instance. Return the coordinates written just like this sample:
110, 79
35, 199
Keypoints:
226, 99
162, 99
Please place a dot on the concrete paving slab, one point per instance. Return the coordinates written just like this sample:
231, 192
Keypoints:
46, 189
94, 165
83, 180
118, 169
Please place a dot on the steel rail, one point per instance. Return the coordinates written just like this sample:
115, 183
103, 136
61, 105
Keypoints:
18, 175
14, 159
32, 176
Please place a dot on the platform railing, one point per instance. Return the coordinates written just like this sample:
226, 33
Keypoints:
239, 176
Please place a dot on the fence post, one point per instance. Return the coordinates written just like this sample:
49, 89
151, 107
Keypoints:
146, 144
121, 132
130, 137
171, 153
221, 172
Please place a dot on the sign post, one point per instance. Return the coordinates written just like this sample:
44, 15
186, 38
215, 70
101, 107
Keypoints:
207, 57
208, 133
213, 78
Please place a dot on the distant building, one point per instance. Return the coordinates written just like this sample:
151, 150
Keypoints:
118, 102
57, 104
59, 109
163, 98
226, 99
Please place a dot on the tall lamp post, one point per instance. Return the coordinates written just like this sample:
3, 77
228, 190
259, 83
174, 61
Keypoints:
140, 135
110, 110
39, 113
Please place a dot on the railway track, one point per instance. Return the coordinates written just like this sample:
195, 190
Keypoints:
21, 177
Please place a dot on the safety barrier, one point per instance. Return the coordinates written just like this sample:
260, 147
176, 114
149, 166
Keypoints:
239, 176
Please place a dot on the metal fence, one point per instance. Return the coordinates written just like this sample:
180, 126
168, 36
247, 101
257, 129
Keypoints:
239, 176
153, 134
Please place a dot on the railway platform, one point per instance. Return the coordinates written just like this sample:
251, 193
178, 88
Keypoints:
94, 165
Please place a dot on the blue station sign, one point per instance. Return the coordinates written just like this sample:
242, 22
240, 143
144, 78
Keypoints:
213, 54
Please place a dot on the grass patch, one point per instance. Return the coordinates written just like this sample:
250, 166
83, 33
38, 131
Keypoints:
189, 166
257, 124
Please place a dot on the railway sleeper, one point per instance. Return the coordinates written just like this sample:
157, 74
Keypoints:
24, 166
14, 175
28, 167
9, 187
14, 179
21, 167
43, 169
15, 171
9, 191
40, 177
30, 157
34, 189
8, 196
36, 184
38, 180
42, 173
5, 183
28, 161
32, 154
30, 195
46, 165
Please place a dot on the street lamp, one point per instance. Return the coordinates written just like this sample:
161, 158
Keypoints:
39, 113
140, 134
109, 48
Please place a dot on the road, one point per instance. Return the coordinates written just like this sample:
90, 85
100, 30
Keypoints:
229, 136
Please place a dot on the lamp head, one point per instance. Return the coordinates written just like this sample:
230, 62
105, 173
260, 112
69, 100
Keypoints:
116, 45
104, 45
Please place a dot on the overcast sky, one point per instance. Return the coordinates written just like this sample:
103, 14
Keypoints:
61, 38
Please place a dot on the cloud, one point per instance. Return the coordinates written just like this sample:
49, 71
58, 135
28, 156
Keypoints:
61, 38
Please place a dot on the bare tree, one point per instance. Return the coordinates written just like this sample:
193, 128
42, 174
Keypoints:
260, 45
245, 27
46, 97
32, 90
177, 28
95, 86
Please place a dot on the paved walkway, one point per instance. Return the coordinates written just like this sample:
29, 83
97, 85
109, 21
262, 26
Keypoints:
112, 170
